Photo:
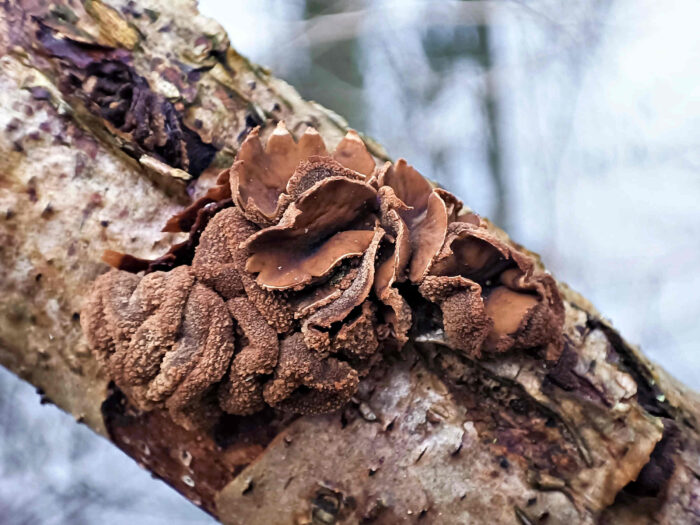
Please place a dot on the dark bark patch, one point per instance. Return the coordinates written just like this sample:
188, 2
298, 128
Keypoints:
326, 506
196, 464
653, 477
506, 418
562, 374
108, 84
564, 377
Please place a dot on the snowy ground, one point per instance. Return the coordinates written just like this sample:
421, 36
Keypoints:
577, 125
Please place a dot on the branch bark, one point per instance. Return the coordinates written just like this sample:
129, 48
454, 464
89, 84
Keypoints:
604, 436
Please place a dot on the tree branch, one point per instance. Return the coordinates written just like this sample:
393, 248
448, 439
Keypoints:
601, 436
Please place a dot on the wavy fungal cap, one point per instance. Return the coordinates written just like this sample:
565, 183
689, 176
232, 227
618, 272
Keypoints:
294, 281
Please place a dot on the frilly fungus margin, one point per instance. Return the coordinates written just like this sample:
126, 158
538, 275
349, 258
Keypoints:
294, 281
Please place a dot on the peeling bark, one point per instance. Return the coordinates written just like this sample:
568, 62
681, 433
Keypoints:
112, 117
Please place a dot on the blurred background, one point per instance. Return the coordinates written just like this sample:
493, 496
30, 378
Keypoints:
573, 125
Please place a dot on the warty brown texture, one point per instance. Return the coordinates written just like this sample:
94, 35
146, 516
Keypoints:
306, 277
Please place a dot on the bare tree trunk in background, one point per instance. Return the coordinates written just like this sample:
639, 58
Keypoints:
603, 437
492, 118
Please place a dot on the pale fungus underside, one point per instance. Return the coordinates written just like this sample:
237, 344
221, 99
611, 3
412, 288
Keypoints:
302, 269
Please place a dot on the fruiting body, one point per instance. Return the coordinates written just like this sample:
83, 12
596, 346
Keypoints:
295, 279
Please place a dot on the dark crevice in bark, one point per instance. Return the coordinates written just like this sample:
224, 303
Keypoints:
507, 417
662, 463
649, 394
106, 81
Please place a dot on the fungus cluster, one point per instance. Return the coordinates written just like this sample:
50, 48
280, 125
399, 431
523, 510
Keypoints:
296, 278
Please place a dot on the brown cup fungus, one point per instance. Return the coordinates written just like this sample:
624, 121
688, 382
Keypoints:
295, 280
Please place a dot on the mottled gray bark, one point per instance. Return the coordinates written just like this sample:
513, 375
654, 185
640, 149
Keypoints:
603, 436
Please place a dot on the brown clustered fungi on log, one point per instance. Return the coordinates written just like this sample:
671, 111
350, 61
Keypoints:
599, 436
296, 279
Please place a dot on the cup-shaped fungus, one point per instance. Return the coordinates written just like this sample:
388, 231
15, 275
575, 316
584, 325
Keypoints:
297, 277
